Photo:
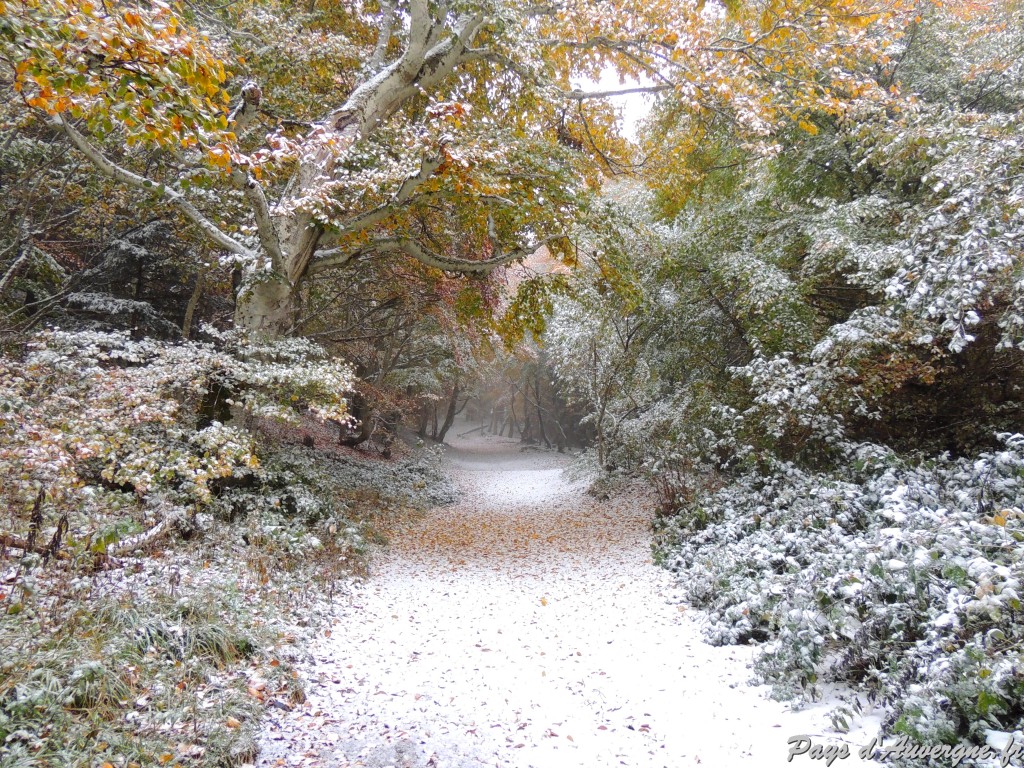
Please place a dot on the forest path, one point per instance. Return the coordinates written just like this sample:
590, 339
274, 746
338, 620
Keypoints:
526, 626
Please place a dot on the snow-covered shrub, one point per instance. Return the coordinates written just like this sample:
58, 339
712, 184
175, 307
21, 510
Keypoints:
90, 421
902, 578
119, 659
130, 675
304, 505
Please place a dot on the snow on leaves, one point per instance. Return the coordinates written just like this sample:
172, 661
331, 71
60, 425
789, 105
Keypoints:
136, 69
93, 408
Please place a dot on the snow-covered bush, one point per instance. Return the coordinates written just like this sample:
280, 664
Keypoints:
901, 578
131, 674
90, 421
107, 443
304, 505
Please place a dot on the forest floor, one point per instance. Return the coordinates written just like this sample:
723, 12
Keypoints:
526, 625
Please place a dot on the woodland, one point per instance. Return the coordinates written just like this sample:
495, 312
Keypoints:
259, 258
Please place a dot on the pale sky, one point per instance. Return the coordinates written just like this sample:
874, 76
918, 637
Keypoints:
634, 106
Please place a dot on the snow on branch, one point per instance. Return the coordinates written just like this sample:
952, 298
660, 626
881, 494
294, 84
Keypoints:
110, 169
412, 248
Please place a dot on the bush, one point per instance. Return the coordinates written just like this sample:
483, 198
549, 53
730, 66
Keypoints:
92, 422
899, 578
137, 676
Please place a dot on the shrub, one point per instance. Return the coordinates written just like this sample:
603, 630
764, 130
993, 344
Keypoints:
900, 578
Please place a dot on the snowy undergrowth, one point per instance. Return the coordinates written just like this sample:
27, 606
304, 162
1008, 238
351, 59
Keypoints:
167, 657
142, 591
902, 579
146, 676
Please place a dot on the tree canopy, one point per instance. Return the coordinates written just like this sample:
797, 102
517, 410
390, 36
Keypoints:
299, 140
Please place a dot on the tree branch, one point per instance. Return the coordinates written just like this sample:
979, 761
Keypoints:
412, 248
427, 167
265, 228
332, 258
339, 257
420, 28
16, 542
248, 108
116, 172
388, 8
580, 95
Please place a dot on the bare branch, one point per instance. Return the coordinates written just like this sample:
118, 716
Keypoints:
338, 257
420, 28
116, 172
265, 228
579, 95
9, 275
388, 9
437, 63
333, 258
401, 197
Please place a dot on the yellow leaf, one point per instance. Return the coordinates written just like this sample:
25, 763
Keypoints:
233, 722
811, 128
543, 601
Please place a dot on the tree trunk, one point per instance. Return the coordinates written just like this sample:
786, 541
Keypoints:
424, 420
267, 308
512, 416
599, 426
449, 417
360, 410
193, 302
540, 415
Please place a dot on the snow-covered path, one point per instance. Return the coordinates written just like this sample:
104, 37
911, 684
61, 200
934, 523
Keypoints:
526, 626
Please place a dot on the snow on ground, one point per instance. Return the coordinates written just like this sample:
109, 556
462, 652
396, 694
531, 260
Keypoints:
526, 626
